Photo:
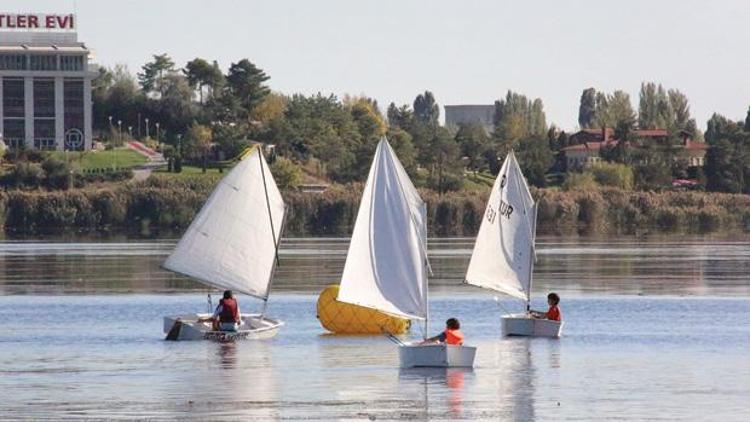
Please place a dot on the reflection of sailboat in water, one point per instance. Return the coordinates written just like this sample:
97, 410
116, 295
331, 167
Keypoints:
228, 354
235, 381
443, 390
512, 385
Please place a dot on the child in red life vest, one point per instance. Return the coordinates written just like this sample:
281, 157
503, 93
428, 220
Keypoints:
227, 313
451, 335
553, 313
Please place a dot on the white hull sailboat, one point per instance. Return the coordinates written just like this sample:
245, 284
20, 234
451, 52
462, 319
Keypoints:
386, 266
523, 324
504, 252
197, 327
232, 244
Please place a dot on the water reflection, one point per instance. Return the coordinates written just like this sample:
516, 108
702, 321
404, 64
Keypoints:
629, 265
443, 387
227, 352
632, 364
239, 380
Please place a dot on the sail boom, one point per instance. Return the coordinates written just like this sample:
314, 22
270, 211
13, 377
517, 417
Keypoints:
214, 285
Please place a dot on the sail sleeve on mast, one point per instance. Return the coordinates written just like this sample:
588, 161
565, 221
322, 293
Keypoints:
230, 243
503, 252
385, 265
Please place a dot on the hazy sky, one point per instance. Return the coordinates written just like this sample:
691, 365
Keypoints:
465, 52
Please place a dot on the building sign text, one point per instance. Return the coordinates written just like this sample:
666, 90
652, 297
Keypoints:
37, 21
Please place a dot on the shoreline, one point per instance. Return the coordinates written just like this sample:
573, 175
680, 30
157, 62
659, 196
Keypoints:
168, 205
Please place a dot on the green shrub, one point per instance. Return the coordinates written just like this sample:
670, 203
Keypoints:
612, 174
579, 181
286, 174
59, 173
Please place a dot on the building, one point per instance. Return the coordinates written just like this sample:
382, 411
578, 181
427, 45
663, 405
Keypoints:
481, 114
588, 143
45, 83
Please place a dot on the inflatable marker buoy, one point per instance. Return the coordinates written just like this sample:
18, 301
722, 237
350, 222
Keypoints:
344, 318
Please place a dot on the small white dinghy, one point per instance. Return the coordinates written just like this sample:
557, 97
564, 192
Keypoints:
503, 257
386, 267
233, 244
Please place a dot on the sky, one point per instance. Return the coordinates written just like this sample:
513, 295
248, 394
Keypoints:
465, 52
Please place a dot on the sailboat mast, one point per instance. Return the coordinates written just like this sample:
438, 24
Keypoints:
276, 242
427, 304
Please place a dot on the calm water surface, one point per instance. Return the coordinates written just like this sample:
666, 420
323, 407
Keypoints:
657, 328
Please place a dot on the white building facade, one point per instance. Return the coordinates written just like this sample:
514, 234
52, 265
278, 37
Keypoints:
45, 83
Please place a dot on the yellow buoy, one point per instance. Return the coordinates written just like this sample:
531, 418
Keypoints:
344, 318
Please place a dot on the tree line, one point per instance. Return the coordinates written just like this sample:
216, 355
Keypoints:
199, 107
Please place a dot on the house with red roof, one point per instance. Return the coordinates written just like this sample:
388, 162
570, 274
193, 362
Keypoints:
587, 144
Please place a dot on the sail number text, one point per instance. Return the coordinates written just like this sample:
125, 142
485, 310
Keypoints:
505, 211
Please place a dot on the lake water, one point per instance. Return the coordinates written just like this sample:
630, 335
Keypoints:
656, 328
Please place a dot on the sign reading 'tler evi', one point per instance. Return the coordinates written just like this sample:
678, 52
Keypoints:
37, 21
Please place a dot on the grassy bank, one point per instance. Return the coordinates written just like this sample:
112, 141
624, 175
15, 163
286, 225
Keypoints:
90, 160
164, 202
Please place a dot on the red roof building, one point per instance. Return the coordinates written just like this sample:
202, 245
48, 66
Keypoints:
588, 143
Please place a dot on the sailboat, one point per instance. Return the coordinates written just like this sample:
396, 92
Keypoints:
504, 252
386, 266
233, 244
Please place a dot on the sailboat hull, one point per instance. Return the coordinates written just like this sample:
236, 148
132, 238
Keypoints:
436, 356
527, 326
188, 328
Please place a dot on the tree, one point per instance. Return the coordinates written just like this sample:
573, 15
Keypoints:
224, 108
447, 175
747, 121
587, 109
722, 171
655, 109
619, 111
401, 117
717, 127
175, 109
680, 109
271, 107
117, 95
517, 118
286, 174
247, 82
400, 141
198, 142
152, 78
371, 127
535, 158
201, 74
426, 110
472, 141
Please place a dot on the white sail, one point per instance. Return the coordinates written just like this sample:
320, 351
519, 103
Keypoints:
386, 265
231, 243
504, 250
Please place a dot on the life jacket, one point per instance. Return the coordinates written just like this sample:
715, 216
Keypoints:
455, 337
229, 311
553, 313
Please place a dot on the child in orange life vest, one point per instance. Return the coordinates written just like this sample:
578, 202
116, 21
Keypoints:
553, 313
451, 335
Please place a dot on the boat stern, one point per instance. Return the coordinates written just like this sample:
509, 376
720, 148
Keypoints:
436, 355
525, 325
